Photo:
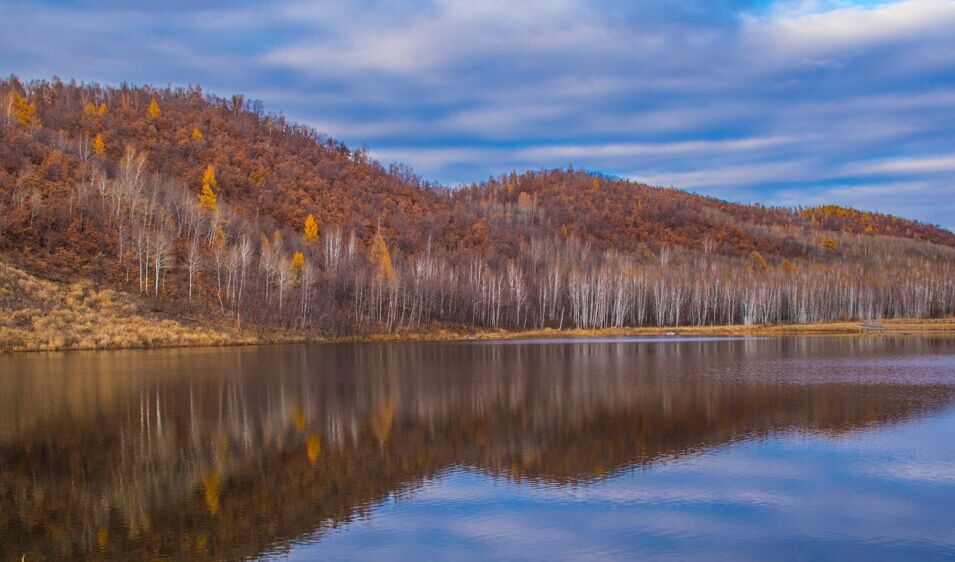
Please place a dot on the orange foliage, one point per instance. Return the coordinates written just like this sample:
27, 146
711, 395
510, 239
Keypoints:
153, 112
380, 259
310, 230
298, 263
280, 176
99, 146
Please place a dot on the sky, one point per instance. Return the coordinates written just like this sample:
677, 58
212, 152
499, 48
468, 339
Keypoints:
781, 102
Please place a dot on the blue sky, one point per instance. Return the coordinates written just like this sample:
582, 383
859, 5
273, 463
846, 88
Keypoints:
781, 102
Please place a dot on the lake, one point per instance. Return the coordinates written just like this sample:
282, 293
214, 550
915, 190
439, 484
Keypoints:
660, 448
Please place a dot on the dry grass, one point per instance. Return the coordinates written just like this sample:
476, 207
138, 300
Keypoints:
37, 315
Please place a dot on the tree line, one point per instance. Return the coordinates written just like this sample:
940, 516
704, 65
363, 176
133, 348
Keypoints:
506, 254
189, 250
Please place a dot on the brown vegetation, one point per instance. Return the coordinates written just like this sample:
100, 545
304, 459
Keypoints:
207, 207
37, 315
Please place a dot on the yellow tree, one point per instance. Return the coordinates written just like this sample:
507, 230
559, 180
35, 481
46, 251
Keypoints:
828, 243
756, 262
99, 146
310, 230
209, 176
89, 109
24, 111
298, 263
208, 201
154, 112
102, 109
380, 259
196, 134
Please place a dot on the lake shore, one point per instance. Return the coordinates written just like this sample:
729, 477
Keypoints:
211, 337
899, 326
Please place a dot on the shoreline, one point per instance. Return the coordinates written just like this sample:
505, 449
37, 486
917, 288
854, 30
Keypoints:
894, 327
936, 327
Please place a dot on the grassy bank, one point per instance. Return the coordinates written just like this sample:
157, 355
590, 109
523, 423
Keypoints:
41, 315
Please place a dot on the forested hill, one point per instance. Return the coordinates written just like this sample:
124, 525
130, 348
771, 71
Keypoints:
201, 203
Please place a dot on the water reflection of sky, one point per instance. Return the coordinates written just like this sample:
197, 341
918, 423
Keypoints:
877, 494
785, 448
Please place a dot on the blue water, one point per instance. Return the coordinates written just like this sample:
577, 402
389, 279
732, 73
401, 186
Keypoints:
615, 449
881, 494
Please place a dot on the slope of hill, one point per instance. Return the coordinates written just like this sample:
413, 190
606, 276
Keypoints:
611, 213
38, 314
197, 205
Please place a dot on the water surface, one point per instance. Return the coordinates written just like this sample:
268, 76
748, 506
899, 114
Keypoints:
790, 448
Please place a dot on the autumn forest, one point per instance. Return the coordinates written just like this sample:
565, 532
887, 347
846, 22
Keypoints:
213, 212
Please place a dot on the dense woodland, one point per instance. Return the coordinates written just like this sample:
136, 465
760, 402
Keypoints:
210, 209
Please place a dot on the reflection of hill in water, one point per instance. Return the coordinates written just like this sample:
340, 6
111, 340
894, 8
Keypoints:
228, 453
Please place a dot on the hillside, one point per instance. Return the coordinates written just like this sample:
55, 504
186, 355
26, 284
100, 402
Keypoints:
196, 205
38, 314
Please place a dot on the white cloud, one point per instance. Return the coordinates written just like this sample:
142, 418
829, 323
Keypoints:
815, 37
440, 36
729, 176
916, 165
631, 150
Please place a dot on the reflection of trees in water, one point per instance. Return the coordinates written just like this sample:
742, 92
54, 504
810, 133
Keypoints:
225, 453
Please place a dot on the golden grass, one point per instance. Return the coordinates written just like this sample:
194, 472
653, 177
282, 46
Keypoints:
41, 315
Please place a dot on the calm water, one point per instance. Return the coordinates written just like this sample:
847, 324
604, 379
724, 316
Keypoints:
801, 448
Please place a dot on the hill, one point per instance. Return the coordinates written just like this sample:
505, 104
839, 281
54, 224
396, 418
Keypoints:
197, 205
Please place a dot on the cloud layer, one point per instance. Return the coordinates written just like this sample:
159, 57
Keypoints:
782, 102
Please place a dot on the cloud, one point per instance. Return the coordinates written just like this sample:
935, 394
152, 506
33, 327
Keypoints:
824, 37
785, 100
637, 149
935, 472
735, 176
917, 165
